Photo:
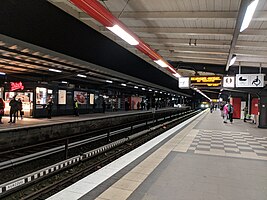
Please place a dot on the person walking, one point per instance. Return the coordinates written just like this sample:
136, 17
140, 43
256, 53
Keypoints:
225, 113
48, 107
13, 109
76, 107
245, 113
20, 108
230, 112
104, 106
2, 109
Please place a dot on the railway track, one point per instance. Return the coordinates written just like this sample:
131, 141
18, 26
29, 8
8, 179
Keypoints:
45, 181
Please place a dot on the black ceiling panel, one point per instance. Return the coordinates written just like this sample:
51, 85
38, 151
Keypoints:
41, 23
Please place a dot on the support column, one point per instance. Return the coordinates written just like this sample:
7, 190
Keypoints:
263, 112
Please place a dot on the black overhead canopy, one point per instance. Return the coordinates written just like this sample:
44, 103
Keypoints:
42, 24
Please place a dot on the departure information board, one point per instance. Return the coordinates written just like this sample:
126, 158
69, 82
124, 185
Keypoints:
206, 81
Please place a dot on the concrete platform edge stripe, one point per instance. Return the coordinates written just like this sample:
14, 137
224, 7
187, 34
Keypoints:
35, 175
126, 159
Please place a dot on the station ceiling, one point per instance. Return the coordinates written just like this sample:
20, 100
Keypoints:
188, 33
195, 36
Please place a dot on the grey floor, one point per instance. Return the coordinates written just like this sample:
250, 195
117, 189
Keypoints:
187, 176
207, 170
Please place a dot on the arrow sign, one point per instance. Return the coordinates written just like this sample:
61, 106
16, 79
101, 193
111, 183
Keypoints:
242, 79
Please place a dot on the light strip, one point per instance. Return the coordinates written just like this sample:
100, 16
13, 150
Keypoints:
123, 34
55, 70
197, 90
143, 89
81, 75
64, 82
135, 87
232, 60
108, 81
173, 70
161, 63
2, 73
249, 14
177, 75
123, 84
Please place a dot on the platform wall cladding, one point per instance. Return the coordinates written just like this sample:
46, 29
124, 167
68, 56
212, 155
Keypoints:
23, 136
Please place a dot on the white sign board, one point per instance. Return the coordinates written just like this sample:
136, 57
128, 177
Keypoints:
62, 96
184, 82
250, 80
229, 81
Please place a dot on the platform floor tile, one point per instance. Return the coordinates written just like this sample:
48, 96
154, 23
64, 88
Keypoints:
227, 143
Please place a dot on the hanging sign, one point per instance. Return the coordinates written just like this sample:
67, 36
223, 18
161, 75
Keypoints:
184, 82
250, 80
229, 81
206, 81
16, 86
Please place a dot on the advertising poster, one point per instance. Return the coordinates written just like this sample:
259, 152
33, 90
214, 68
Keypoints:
80, 96
92, 98
41, 95
62, 96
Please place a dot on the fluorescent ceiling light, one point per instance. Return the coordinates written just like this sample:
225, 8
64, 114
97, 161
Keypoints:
177, 75
64, 82
173, 70
108, 81
161, 63
143, 89
156, 91
55, 70
123, 84
249, 14
135, 87
150, 90
232, 60
160, 92
123, 34
2, 73
81, 75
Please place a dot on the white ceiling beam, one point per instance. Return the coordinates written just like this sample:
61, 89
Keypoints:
242, 10
192, 31
167, 15
185, 41
153, 15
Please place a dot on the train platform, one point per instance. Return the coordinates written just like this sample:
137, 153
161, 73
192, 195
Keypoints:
201, 158
27, 121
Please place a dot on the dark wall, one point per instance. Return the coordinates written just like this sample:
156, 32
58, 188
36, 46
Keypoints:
41, 23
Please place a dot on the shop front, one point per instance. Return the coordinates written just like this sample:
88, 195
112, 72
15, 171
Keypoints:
22, 92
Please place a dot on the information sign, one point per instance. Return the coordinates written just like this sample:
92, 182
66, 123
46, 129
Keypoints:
250, 80
206, 81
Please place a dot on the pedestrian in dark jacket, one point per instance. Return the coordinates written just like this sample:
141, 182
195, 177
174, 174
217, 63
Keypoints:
13, 109
48, 107
20, 108
2, 109
104, 106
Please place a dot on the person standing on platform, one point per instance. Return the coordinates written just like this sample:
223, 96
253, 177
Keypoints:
76, 107
13, 109
225, 113
2, 109
245, 113
48, 107
20, 108
104, 106
230, 112
138, 105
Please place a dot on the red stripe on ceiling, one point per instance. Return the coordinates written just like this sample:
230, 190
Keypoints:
102, 15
